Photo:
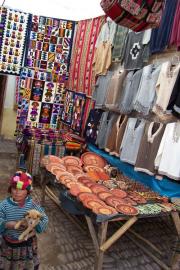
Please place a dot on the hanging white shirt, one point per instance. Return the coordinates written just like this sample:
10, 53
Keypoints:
168, 157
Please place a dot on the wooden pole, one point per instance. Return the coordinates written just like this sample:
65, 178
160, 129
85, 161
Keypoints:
92, 233
145, 241
102, 238
176, 219
175, 257
118, 234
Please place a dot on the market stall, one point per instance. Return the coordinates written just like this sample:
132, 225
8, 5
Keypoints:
103, 202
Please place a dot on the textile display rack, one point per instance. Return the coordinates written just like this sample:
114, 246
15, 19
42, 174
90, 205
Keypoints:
70, 204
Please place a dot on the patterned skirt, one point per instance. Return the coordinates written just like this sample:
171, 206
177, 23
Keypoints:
21, 256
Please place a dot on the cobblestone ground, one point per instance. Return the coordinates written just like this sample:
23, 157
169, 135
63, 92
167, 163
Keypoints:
65, 247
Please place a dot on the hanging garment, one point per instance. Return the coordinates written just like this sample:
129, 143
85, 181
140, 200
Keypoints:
175, 34
102, 58
101, 87
131, 140
101, 135
107, 33
161, 35
92, 125
130, 87
135, 53
115, 137
137, 15
118, 43
149, 147
164, 86
114, 90
108, 132
168, 156
144, 98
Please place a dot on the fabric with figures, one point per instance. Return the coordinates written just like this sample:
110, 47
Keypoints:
13, 40
67, 113
78, 111
41, 99
50, 44
81, 75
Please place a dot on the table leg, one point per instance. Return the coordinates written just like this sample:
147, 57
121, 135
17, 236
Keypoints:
92, 233
102, 238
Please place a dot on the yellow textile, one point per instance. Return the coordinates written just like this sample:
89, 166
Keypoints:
102, 58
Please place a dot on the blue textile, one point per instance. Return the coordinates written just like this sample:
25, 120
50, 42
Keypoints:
164, 187
160, 36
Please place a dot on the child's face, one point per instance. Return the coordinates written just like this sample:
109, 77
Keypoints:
18, 195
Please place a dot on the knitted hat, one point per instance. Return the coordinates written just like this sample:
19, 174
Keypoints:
21, 180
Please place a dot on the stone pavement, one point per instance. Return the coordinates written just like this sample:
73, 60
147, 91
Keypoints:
64, 247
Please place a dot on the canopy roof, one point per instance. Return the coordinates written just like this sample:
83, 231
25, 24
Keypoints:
64, 9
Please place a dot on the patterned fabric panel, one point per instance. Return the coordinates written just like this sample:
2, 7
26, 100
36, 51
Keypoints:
50, 44
12, 40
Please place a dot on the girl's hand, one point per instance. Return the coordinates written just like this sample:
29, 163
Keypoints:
10, 225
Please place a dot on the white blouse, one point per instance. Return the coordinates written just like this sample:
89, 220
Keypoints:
168, 157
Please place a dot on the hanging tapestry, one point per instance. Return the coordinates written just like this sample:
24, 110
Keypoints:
3, 13
68, 107
78, 111
50, 44
81, 75
13, 40
41, 99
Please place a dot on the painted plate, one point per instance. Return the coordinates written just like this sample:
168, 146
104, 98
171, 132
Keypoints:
74, 169
105, 210
97, 188
70, 160
104, 194
93, 203
55, 159
119, 193
127, 210
76, 189
85, 195
93, 168
92, 159
114, 201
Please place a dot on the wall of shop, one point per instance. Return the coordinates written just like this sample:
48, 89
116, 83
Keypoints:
9, 113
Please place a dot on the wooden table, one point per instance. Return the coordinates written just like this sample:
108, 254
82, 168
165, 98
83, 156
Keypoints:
123, 224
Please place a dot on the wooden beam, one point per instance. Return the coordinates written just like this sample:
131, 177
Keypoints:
118, 234
145, 241
102, 238
175, 257
92, 233
176, 219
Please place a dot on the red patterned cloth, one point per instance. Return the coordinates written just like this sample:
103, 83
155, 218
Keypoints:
82, 77
137, 15
175, 35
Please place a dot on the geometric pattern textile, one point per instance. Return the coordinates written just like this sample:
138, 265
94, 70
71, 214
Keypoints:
81, 75
41, 99
50, 44
13, 28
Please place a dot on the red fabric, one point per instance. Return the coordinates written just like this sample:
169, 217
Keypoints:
81, 75
131, 13
175, 35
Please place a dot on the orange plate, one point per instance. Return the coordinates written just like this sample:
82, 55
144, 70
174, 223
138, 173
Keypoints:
92, 159
78, 188
70, 160
84, 195
119, 193
105, 210
104, 194
97, 188
93, 203
93, 168
113, 201
127, 210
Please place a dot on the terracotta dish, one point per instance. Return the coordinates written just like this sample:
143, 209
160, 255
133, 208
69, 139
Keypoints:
70, 160
92, 159
119, 193
97, 188
127, 210
114, 201
105, 210
104, 194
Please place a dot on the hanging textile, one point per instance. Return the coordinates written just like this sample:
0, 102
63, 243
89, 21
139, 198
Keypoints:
67, 113
50, 44
175, 34
41, 99
161, 35
12, 40
78, 111
136, 15
118, 43
81, 75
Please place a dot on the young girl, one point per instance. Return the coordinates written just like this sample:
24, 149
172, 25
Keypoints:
15, 254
